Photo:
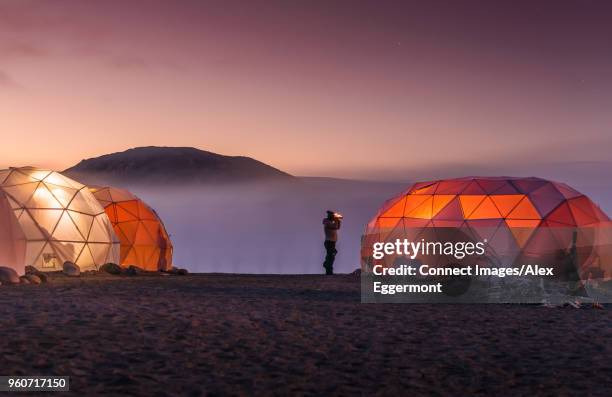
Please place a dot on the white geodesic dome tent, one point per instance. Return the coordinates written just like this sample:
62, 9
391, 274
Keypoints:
60, 220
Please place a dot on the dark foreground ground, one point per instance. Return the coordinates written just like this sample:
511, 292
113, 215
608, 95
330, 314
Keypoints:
287, 335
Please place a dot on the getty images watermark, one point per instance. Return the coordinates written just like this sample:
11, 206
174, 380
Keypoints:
472, 271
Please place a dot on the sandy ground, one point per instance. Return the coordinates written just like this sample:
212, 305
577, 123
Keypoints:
288, 335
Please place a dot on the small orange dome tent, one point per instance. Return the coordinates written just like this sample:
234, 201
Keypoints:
60, 219
144, 240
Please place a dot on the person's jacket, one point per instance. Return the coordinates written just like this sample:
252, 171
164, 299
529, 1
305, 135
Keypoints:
331, 227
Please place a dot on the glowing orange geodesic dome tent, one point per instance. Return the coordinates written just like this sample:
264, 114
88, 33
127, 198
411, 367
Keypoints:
144, 240
522, 219
56, 218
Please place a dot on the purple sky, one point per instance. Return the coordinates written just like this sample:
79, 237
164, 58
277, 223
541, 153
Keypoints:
343, 88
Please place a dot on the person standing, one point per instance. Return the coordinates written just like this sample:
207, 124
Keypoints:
331, 224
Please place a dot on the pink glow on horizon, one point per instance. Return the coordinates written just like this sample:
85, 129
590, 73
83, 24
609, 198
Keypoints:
329, 88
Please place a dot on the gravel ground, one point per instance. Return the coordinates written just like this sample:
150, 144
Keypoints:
208, 334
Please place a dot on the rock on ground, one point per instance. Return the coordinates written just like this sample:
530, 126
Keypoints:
110, 268
33, 278
31, 270
134, 271
71, 269
8, 275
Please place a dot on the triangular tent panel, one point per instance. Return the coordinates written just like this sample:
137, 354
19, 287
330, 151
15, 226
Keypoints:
67, 230
29, 227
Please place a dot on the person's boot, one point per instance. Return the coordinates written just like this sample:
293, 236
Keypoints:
328, 269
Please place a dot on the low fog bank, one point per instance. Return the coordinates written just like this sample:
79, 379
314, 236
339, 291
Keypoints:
265, 227
276, 227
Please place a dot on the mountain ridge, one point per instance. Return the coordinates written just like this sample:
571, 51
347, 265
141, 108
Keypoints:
167, 164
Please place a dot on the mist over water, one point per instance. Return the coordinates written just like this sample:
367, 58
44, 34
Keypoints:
263, 227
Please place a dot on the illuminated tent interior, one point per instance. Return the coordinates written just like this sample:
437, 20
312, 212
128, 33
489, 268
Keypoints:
12, 239
144, 240
59, 220
522, 219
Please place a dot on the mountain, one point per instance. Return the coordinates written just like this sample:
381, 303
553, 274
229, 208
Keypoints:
172, 165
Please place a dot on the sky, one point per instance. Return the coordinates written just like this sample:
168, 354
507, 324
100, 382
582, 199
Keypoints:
335, 88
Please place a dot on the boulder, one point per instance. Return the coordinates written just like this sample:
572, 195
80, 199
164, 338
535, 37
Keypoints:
34, 275
182, 272
134, 271
71, 269
8, 275
42, 276
110, 268
31, 270
33, 279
